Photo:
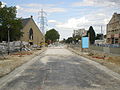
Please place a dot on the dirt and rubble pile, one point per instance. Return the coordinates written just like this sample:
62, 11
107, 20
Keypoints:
9, 63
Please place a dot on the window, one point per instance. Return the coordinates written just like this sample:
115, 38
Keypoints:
116, 40
31, 34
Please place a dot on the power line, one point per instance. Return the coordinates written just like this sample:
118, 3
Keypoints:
42, 20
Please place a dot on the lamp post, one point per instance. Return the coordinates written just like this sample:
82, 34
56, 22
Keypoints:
8, 26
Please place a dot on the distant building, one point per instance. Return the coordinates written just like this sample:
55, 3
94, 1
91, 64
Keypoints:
79, 32
113, 30
32, 33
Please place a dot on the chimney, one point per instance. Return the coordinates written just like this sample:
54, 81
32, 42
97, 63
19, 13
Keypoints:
115, 13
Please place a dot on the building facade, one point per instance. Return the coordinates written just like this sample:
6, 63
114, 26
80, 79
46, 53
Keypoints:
113, 30
79, 32
31, 32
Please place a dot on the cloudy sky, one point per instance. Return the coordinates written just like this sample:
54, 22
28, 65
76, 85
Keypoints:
67, 15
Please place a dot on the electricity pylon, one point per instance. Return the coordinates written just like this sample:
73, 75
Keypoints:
42, 20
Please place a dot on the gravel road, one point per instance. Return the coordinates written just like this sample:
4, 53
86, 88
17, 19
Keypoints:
59, 69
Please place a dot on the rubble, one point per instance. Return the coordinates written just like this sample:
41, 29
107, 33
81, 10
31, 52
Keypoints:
14, 60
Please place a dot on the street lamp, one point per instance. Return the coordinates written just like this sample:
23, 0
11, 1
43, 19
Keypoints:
8, 26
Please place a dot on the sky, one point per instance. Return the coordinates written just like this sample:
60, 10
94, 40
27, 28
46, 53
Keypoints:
68, 15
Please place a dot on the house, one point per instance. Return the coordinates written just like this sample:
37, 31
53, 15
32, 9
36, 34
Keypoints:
31, 32
113, 30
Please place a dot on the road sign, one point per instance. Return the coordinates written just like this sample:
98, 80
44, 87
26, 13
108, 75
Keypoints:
85, 42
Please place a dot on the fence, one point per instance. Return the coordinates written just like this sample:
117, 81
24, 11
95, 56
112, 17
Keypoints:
112, 50
102, 48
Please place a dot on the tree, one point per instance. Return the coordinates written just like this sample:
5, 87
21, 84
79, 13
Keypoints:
99, 36
91, 35
69, 40
76, 38
52, 35
8, 21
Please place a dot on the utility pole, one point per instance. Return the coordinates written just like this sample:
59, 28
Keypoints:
102, 34
42, 20
8, 43
101, 29
8, 39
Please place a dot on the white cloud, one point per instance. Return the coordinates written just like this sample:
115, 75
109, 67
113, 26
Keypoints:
72, 23
36, 10
106, 21
18, 7
84, 3
97, 3
54, 10
31, 9
52, 21
97, 20
101, 14
3, 4
36, 5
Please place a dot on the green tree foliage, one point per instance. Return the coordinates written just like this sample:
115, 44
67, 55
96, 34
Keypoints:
69, 40
52, 35
99, 37
91, 35
76, 38
8, 18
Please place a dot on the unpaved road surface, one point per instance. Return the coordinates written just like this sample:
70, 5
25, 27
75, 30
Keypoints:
59, 69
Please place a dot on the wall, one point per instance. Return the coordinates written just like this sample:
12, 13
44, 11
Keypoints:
96, 48
115, 50
106, 49
37, 35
